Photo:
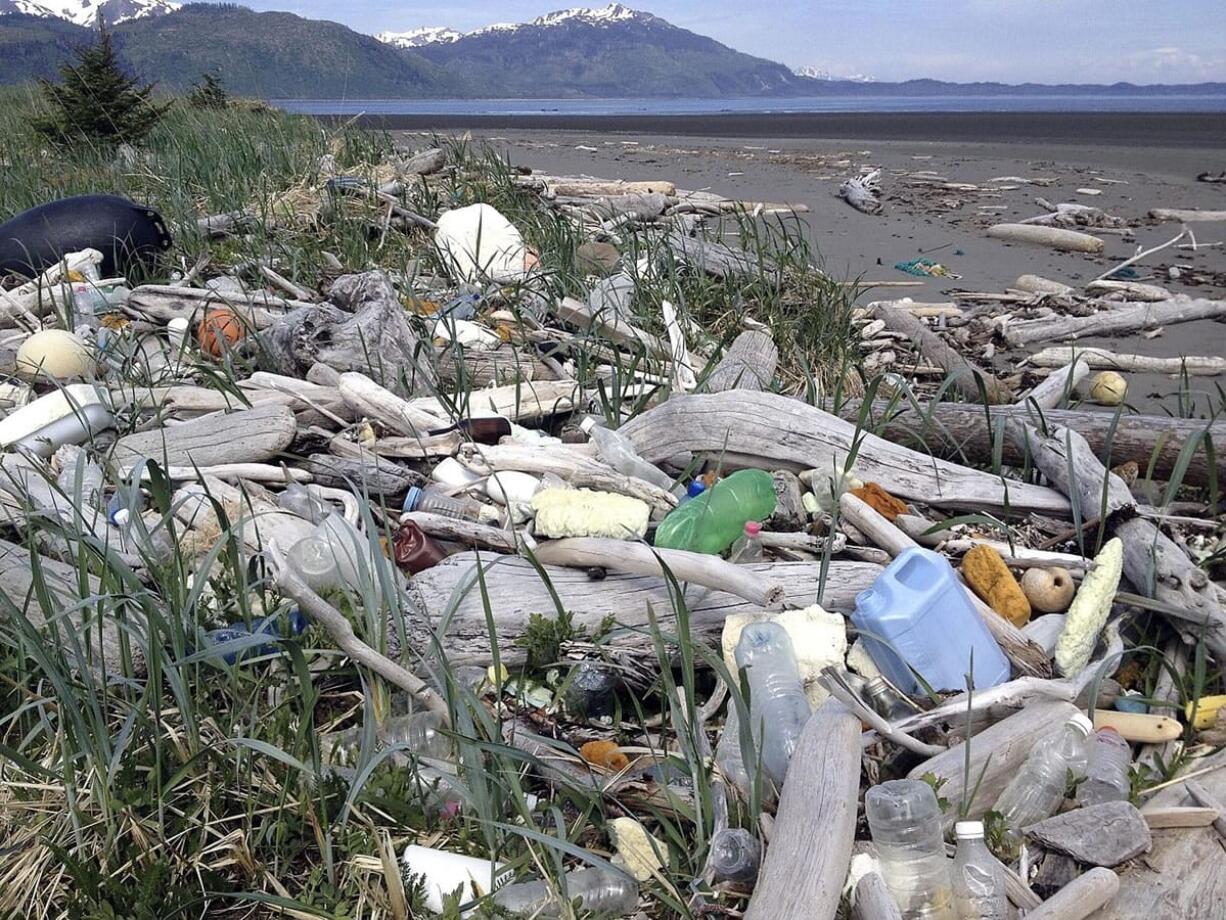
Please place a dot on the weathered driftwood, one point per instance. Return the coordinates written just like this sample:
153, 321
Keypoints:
1134, 291
996, 753
1154, 564
516, 593
639, 559
1026, 656
1101, 358
249, 436
777, 432
1180, 816
967, 376
499, 366
366, 473
959, 430
863, 192
186, 400
1167, 689
579, 469
219, 225
368, 398
164, 302
1204, 798
1058, 388
227, 472
819, 801
611, 327
872, 900
468, 533
1116, 321
518, 402
1083, 896
1186, 215
716, 258
587, 187
1052, 237
423, 163
95, 628
748, 364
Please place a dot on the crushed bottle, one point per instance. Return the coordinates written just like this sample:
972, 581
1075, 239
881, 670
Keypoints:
618, 452
979, 877
1038, 788
602, 894
778, 705
905, 821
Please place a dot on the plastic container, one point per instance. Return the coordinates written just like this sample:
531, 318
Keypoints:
415, 551
618, 452
602, 894
885, 700
297, 499
436, 503
736, 855
295, 624
905, 821
712, 521
1038, 788
1108, 757
748, 547
918, 613
729, 756
444, 872
422, 732
313, 560
978, 877
778, 705
71, 415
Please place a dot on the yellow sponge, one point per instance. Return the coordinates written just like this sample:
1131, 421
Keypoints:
584, 513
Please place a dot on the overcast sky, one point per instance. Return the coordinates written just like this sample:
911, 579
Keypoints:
1050, 41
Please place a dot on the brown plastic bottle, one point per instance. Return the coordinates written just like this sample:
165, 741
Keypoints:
414, 551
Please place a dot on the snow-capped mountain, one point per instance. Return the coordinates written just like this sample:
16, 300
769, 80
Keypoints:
613, 14
820, 73
85, 12
415, 38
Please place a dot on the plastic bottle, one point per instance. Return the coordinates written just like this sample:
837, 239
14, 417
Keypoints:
603, 894
778, 705
693, 490
748, 547
618, 452
313, 560
422, 732
918, 613
414, 551
295, 624
978, 877
735, 855
436, 503
297, 499
905, 821
712, 521
728, 753
1108, 757
1038, 788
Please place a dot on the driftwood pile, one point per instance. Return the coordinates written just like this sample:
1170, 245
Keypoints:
350, 393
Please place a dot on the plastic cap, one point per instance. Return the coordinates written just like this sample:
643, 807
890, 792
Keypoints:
968, 830
587, 424
695, 488
752, 528
411, 498
1082, 723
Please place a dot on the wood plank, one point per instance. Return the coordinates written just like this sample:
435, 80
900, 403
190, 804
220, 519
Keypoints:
748, 364
1115, 321
249, 436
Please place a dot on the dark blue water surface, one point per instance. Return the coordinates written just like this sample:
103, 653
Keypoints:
809, 104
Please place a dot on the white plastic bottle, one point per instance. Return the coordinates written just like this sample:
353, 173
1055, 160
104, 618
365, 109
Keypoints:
778, 705
618, 452
602, 894
1108, 758
978, 876
748, 547
1038, 788
905, 821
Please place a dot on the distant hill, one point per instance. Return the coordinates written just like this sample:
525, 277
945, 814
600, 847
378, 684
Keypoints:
602, 53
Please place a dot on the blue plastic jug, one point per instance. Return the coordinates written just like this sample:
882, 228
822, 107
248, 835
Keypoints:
918, 606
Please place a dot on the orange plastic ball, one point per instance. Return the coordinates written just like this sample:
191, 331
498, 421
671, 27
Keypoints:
222, 329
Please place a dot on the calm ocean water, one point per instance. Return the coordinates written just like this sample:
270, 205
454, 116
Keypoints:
563, 107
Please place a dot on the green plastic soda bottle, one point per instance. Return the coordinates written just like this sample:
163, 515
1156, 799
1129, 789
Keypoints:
712, 521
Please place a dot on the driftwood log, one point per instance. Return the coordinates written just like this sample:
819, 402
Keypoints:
518, 402
715, 258
249, 436
517, 592
1058, 388
748, 364
1052, 237
366, 473
1155, 565
819, 802
1186, 215
1083, 896
742, 428
380, 404
961, 431
1118, 320
968, 377
611, 327
1103, 359
863, 192
872, 900
466, 533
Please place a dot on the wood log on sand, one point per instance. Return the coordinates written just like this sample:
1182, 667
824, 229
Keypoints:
516, 592
748, 364
1102, 359
818, 803
612, 327
249, 436
1053, 237
742, 428
1115, 321
961, 430
1186, 215
1058, 387
967, 376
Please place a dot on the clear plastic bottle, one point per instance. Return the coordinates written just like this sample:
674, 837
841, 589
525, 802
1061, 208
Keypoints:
778, 705
735, 855
905, 821
1108, 758
465, 509
979, 878
712, 521
313, 560
603, 895
422, 732
93, 481
618, 452
297, 499
1038, 788
748, 547
728, 753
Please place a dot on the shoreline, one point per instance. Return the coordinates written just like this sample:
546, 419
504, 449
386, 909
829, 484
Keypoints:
1201, 130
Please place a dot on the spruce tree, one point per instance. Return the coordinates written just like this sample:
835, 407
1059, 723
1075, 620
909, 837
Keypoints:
210, 92
96, 101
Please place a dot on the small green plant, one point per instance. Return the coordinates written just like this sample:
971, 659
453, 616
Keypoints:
544, 637
937, 782
210, 93
96, 101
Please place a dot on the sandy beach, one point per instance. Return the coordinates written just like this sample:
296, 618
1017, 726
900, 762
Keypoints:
1008, 174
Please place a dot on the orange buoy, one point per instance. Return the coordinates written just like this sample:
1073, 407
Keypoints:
221, 330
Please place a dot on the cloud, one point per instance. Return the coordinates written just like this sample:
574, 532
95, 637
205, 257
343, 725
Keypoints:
1171, 63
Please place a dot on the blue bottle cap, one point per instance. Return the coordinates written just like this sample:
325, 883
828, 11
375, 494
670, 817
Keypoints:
411, 498
695, 488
